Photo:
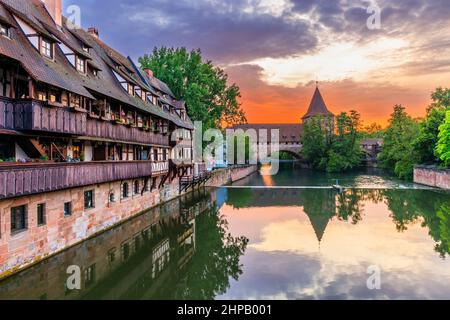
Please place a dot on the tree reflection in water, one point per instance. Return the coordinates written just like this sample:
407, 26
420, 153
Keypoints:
180, 250
407, 207
217, 259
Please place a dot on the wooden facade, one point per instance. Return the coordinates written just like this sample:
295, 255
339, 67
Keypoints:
26, 179
30, 115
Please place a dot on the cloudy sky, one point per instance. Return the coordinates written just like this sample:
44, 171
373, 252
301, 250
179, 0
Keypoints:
275, 50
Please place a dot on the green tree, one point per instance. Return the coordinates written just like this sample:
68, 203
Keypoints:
443, 145
216, 261
374, 130
398, 154
425, 144
330, 151
204, 87
314, 141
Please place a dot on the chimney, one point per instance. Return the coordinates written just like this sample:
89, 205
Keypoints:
54, 7
149, 72
93, 31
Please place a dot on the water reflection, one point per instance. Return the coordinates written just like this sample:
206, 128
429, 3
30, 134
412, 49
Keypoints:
181, 250
318, 244
406, 207
256, 243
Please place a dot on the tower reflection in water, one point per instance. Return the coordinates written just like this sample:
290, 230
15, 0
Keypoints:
321, 206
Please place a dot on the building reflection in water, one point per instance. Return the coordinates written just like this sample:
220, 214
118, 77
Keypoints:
145, 258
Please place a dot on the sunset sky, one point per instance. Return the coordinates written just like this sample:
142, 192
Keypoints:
275, 50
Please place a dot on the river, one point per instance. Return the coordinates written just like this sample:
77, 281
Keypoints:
289, 236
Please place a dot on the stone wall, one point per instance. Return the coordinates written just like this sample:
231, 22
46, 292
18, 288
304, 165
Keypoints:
60, 232
432, 177
112, 251
229, 175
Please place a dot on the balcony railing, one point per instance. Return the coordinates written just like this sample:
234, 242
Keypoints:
30, 115
160, 167
26, 179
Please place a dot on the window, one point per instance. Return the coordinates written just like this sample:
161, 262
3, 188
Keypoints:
67, 209
121, 80
89, 275
126, 252
81, 65
112, 197
146, 185
47, 48
89, 199
41, 214
19, 217
136, 187
4, 30
125, 190
112, 255
138, 92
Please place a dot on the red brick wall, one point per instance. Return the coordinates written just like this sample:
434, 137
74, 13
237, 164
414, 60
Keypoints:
432, 177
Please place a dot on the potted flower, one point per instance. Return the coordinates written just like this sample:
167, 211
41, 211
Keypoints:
119, 121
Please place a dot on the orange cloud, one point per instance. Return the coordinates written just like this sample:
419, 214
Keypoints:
265, 103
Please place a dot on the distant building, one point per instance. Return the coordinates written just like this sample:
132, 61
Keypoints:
290, 134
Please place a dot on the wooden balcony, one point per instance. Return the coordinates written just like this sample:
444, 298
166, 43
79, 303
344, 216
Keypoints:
160, 168
26, 179
30, 115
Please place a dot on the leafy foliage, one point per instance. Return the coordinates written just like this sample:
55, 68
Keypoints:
373, 131
443, 145
398, 154
204, 87
427, 139
333, 147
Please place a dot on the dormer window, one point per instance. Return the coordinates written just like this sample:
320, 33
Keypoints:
122, 81
46, 48
138, 92
81, 65
4, 30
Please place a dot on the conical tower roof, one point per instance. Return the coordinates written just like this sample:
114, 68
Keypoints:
317, 106
319, 224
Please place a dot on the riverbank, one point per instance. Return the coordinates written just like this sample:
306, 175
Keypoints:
432, 176
226, 176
